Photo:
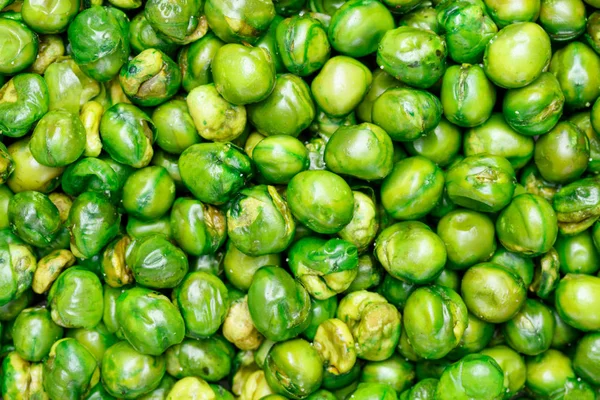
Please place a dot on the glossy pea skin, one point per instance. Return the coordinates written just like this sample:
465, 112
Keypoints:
20, 44
496, 137
576, 299
34, 218
96, 340
395, 371
412, 189
148, 193
279, 158
357, 27
209, 359
320, 311
586, 358
467, 96
475, 376
372, 390
424, 390
520, 264
476, 337
517, 55
531, 330
175, 129
564, 19
239, 22
240, 268
288, 110
512, 365
441, 145
28, 174
576, 205
509, 12
401, 46
548, 372
492, 293
196, 59
577, 254
176, 22
382, 81
17, 115
592, 35
129, 374
34, 333
143, 36
203, 301
468, 237
411, 251
269, 42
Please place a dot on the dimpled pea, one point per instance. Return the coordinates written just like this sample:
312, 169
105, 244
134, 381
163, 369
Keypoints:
288, 110
23, 101
208, 358
203, 300
320, 311
482, 183
586, 358
240, 268
129, 374
493, 293
259, 221
148, 321
34, 218
576, 301
406, 114
176, 21
577, 253
414, 56
70, 370
382, 81
175, 129
476, 376
521, 265
363, 151
198, 228
321, 200
412, 189
143, 36
215, 172
476, 337
244, 21
127, 135
19, 46
357, 27
468, 97
335, 345
243, 74
395, 371
34, 333
577, 205
441, 145
548, 372
341, 85
468, 29
410, 251
100, 59
49, 17
517, 55
435, 319
195, 61
148, 193
468, 237
363, 227
279, 305
531, 330
279, 158
562, 154
150, 78
294, 368
303, 45
28, 174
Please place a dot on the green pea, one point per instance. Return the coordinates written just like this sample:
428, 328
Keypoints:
240, 268
577, 254
564, 334
143, 36
363, 228
576, 298
531, 330
585, 359
90, 175
320, 311
182, 26
242, 21
170, 162
414, 56
475, 376
548, 372
96, 340
203, 301
440, 145
209, 359
476, 337
519, 264
68, 87
563, 20
373, 391
533, 183
395, 371
11, 309
148, 193
506, 13
19, 44
28, 174
576, 206
382, 81
424, 390
512, 365
279, 158
34, 333
47, 17
34, 218
23, 101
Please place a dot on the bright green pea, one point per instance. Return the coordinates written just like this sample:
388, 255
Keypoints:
440, 145
476, 337
548, 372
382, 81
564, 20
209, 359
19, 46
240, 268
162, 390
11, 309
96, 340
279, 158
519, 264
34, 218
512, 365
531, 330
244, 21
178, 22
91, 175
577, 254
143, 36
395, 371
476, 376
49, 17
34, 333
148, 193
23, 101
506, 13
320, 311
577, 205
422, 390
175, 129
576, 301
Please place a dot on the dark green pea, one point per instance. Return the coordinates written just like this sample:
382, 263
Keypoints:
58, 139
395, 371
320, 311
101, 60
243, 74
468, 29
412, 189
109, 313
411, 251
93, 223
422, 390
175, 129
195, 61
482, 183
90, 175
414, 56
517, 55
476, 376
129, 374
562, 154
363, 227
244, 21
369, 274
142, 36
535, 108
592, 33
70, 370
49, 17
271, 288
271, 233
467, 96
531, 330
510, 12
512, 365
11, 309
577, 59
363, 151
209, 359
127, 135
468, 237
294, 368
332, 381
214, 172
34, 218
279, 158
321, 200
493, 293
441, 145
563, 20
34, 333
336, 100
515, 262
303, 45
577, 205
357, 27
149, 321
476, 337
382, 81
576, 301
211, 263
548, 372
288, 110
23, 101
564, 334
96, 340
577, 254
148, 193
586, 360
178, 22
269, 40
138, 229
19, 46
396, 291
496, 137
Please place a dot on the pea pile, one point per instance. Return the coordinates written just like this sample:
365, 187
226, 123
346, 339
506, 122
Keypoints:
300, 199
